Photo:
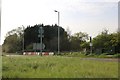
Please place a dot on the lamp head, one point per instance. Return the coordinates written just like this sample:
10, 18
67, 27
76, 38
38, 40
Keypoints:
55, 10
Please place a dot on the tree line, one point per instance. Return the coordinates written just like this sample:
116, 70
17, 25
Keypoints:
102, 43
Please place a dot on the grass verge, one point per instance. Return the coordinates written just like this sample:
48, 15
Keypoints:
57, 67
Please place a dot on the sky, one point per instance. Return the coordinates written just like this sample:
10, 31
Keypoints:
90, 16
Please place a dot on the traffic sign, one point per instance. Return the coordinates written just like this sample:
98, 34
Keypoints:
41, 30
42, 46
90, 44
38, 46
40, 35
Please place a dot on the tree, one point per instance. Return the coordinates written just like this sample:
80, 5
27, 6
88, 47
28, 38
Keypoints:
50, 36
77, 40
14, 38
12, 44
68, 32
106, 42
115, 41
65, 43
13, 41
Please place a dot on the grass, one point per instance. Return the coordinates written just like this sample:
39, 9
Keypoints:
56, 67
83, 55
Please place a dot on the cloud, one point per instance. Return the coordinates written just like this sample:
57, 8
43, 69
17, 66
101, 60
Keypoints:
110, 0
99, 0
89, 8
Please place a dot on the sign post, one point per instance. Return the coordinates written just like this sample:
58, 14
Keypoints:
38, 46
41, 31
90, 44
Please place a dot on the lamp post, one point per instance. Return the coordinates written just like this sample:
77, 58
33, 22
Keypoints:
58, 30
23, 38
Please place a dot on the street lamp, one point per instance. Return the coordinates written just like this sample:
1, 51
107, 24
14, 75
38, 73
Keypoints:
23, 38
58, 30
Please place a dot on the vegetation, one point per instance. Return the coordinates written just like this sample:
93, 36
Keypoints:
73, 62
15, 38
107, 43
57, 67
92, 55
50, 37
103, 43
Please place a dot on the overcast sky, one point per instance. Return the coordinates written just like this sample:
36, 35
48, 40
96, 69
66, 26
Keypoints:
91, 16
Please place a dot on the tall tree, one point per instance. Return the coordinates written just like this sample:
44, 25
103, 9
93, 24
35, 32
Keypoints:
13, 41
106, 42
50, 36
77, 40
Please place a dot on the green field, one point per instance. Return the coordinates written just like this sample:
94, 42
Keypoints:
56, 67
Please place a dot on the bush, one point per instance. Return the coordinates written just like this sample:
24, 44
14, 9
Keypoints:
117, 55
